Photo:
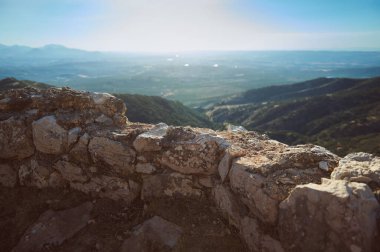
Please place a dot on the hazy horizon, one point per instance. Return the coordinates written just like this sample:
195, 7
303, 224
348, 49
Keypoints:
198, 51
198, 25
192, 51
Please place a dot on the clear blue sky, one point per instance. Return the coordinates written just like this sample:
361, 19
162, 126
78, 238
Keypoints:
161, 25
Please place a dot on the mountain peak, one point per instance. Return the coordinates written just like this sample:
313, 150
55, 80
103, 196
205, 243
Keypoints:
54, 46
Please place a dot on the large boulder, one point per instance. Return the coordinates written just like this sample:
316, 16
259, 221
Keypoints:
358, 167
70, 171
308, 156
225, 164
230, 206
8, 176
117, 155
73, 136
15, 139
48, 136
146, 168
251, 187
190, 152
53, 228
111, 106
266, 177
152, 139
237, 215
109, 187
169, 184
79, 151
155, 234
256, 238
34, 173
334, 216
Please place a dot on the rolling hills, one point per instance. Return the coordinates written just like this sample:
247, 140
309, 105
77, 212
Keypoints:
340, 114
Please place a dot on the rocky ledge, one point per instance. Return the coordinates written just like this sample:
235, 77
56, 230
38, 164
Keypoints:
264, 195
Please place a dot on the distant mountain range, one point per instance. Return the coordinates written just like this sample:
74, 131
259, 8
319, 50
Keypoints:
140, 108
52, 51
338, 113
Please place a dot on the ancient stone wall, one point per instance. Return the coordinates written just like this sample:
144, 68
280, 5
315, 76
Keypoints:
279, 197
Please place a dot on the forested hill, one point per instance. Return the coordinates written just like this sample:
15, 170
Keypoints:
155, 109
310, 88
338, 113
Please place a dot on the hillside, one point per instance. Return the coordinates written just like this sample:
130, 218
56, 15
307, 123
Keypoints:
338, 113
141, 108
155, 109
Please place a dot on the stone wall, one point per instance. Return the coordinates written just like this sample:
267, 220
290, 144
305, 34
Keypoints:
279, 197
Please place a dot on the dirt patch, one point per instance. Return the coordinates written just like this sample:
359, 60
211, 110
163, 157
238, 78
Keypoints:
21, 207
204, 228
112, 222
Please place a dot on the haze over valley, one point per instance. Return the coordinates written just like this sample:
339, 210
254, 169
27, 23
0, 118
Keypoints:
193, 78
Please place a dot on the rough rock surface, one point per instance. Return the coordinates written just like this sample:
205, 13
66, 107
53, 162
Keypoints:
8, 176
216, 186
265, 179
190, 152
358, 167
70, 172
155, 234
334, 216
79, 152
172, 184
146, 168
109, 187
115, 154
35, 173
48, 136
152, 139
256, 240
225, 164
53, 228
14, 140
231, 208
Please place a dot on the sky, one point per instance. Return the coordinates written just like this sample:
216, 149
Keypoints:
185, 25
